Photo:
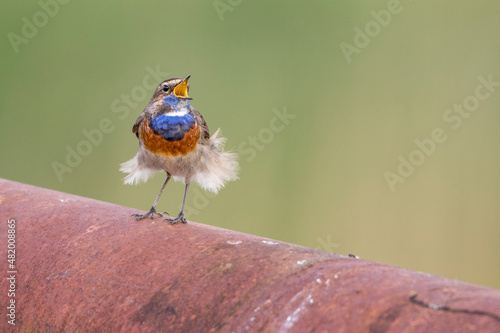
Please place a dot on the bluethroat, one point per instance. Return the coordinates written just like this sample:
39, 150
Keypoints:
174, 138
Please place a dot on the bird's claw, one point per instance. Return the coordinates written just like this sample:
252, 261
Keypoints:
150, 214
180, 218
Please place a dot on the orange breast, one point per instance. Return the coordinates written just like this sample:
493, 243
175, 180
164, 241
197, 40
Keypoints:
158, 145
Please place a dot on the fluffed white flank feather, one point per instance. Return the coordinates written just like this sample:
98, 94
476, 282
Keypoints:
136, 174
209, 165
219, 166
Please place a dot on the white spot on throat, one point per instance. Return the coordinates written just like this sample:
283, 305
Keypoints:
180, 113
180, 108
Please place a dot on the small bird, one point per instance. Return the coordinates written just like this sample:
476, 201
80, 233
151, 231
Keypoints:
174, 137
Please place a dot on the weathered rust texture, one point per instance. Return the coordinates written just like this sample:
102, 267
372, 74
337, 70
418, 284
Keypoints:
88, 266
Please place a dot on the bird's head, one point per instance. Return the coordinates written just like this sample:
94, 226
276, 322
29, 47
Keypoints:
172, 93
176, 87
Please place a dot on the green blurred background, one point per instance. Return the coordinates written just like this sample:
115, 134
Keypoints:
318, 180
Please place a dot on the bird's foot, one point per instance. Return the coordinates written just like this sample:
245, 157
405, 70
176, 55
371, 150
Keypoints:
151, 214
180, 218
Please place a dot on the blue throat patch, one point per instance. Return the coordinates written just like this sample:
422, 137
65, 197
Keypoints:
172, 128
176, 103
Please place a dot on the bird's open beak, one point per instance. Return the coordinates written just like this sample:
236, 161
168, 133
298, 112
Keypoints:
181, 90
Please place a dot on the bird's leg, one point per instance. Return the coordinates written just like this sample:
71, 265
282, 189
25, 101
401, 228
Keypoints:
181, 216
153, 211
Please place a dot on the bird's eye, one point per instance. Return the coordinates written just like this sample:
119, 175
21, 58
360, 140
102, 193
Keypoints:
165, 88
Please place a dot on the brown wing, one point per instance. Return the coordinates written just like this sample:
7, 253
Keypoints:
205, 133
138, 122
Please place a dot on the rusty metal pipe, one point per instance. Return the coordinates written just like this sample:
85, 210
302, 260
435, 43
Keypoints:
88, 266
